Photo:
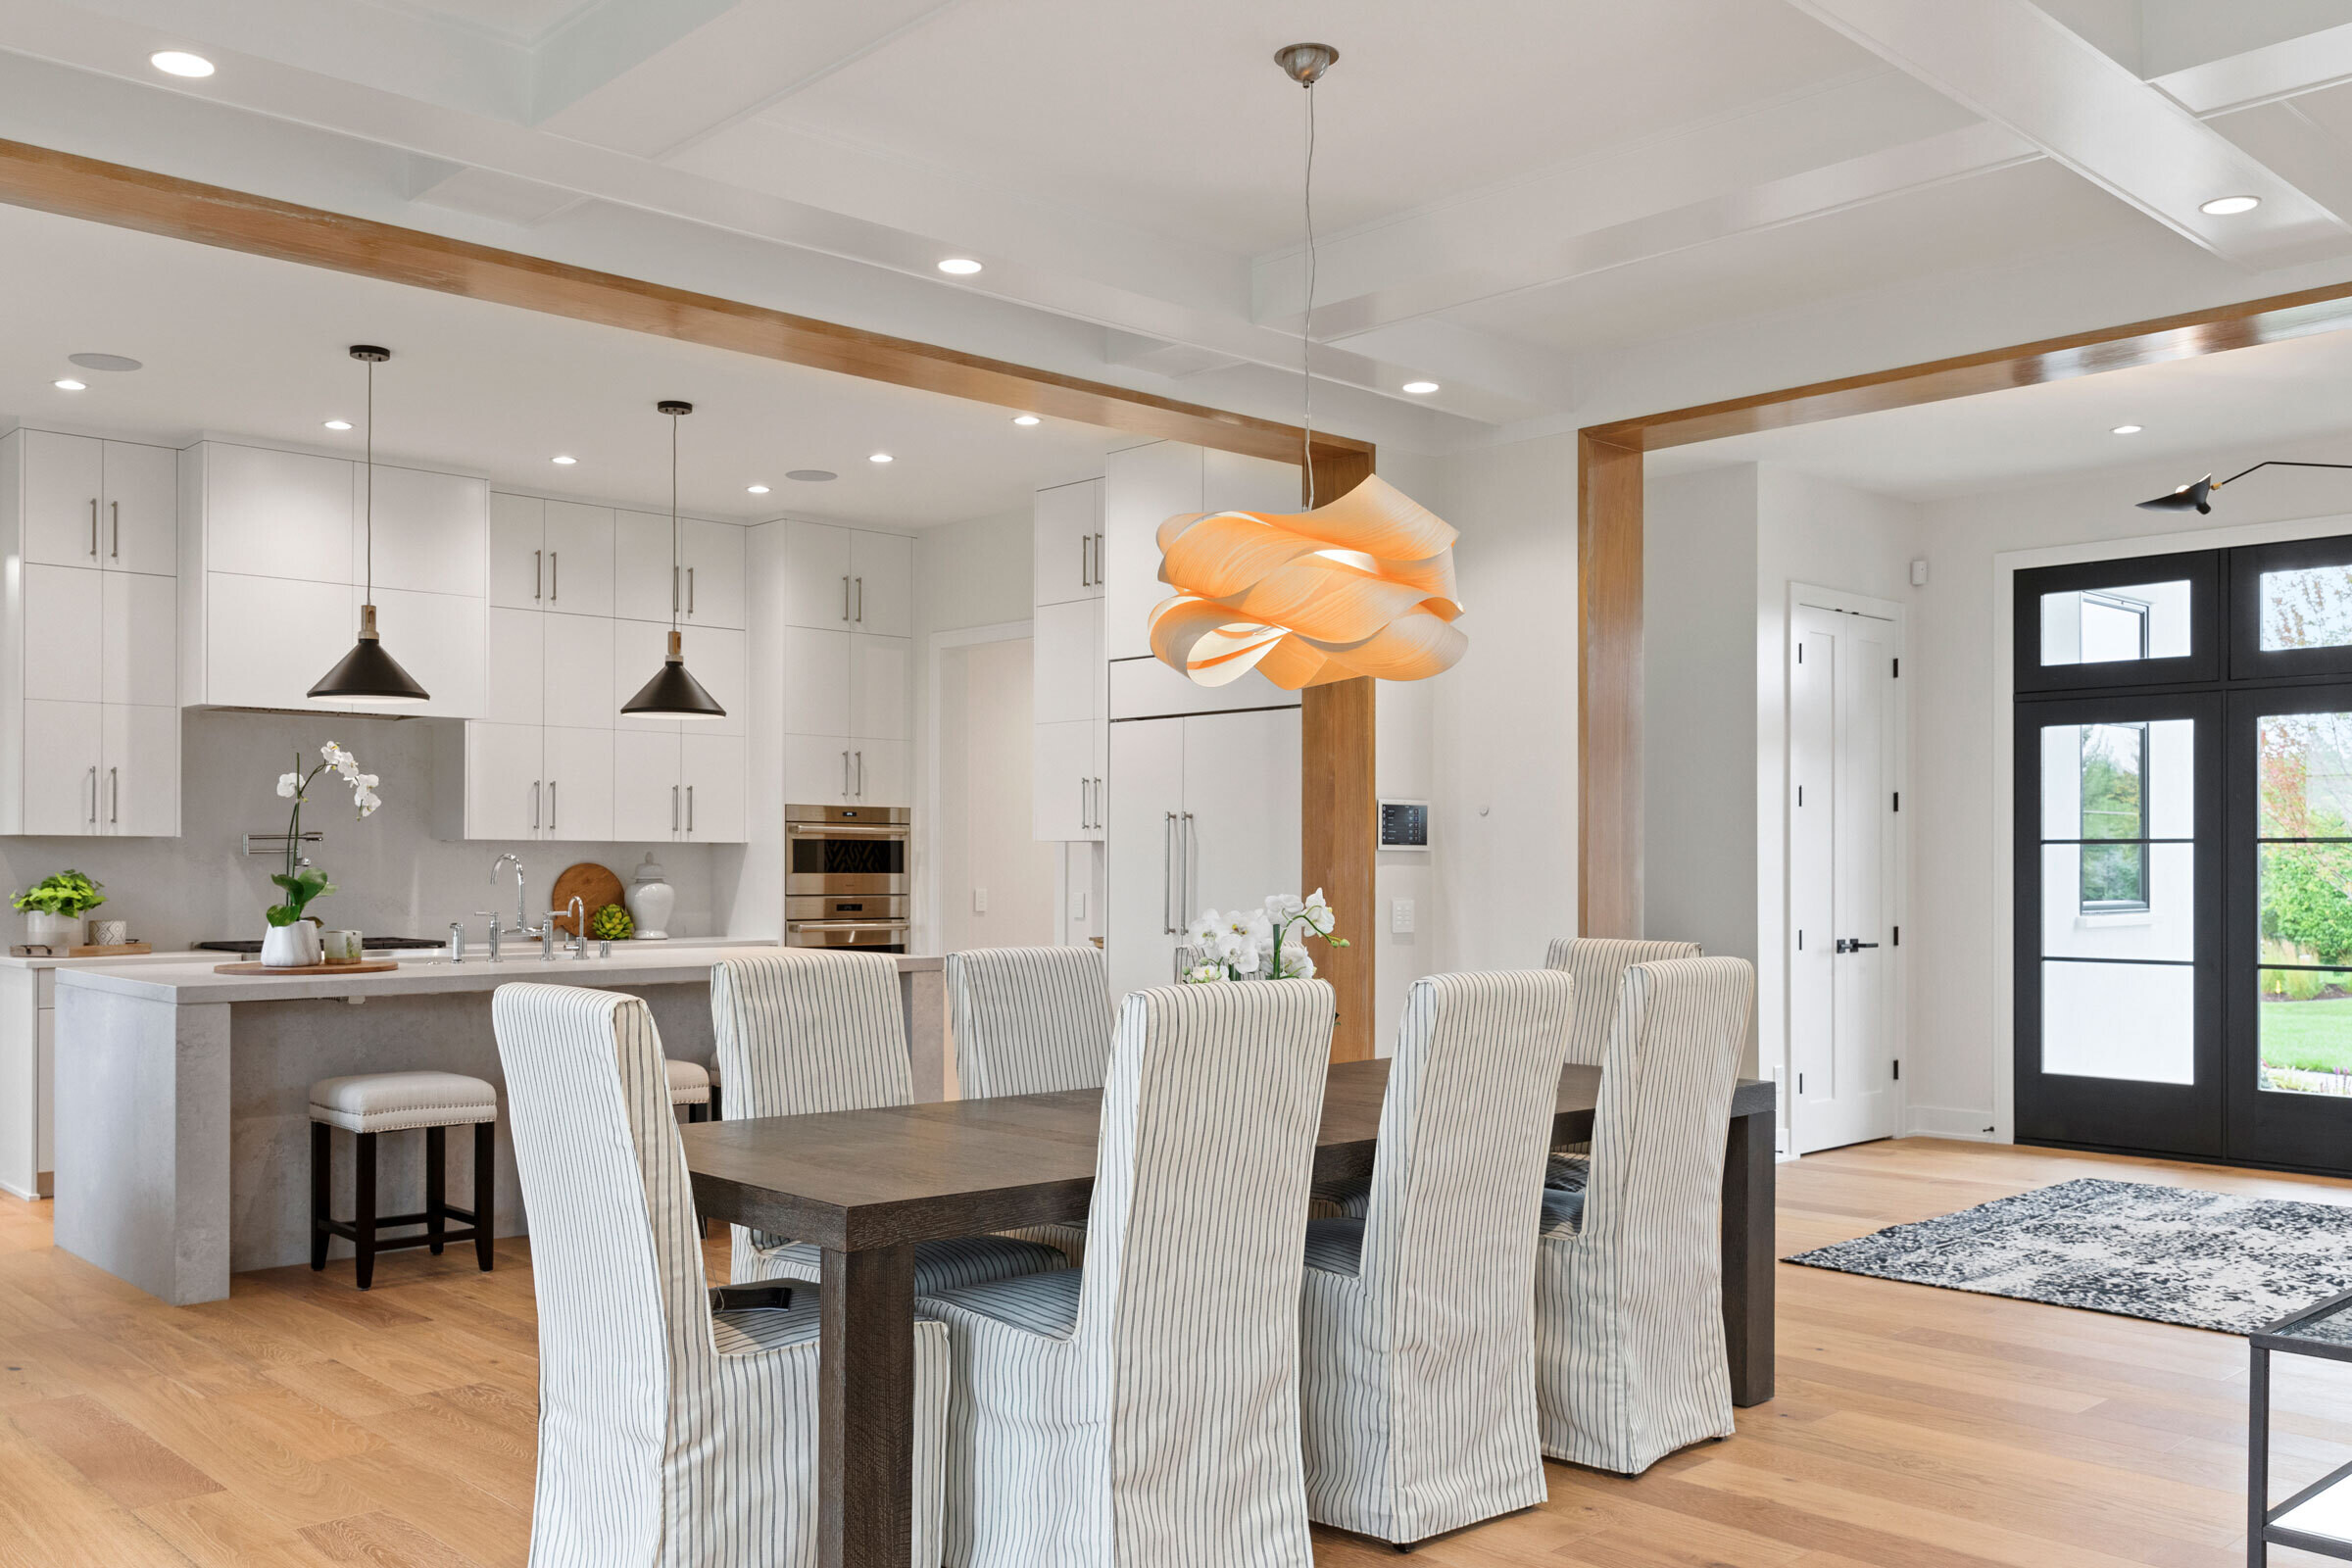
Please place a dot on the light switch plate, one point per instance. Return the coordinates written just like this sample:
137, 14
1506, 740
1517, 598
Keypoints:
1401, 918
979, 901
1077, 906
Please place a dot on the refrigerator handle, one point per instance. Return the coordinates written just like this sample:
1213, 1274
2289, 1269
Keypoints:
1169, 888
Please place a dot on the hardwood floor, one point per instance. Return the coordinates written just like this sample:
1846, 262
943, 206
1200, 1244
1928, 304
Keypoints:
302, 1423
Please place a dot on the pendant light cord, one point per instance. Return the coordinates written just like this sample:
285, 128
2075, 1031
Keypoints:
677, 562
370, 503
1307, 329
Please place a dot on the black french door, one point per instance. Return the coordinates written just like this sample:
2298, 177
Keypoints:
2184, 856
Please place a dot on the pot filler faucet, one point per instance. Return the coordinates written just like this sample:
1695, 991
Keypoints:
522, 926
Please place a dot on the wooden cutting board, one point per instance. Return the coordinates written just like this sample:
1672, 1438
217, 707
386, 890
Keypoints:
595, 886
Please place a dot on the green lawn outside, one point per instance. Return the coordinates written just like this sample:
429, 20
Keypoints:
2315, 1036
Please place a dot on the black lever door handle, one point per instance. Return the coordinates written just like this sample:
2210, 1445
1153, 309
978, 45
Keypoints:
1852, 945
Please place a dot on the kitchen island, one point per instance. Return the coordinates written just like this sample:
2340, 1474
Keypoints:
183, 1095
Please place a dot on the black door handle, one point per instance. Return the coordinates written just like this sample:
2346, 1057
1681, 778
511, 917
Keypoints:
1852, 945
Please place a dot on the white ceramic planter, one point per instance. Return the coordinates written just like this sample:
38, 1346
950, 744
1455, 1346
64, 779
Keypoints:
291, 946
53, 930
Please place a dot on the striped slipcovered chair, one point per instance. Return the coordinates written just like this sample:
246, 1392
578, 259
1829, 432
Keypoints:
1417, 1345
1599, 965
1143, 1410
801, 1031
669, 1435
1630, 1360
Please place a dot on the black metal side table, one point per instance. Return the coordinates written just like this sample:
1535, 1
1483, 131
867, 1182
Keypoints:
2319, 1518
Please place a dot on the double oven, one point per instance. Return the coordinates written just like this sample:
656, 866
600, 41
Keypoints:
844, 877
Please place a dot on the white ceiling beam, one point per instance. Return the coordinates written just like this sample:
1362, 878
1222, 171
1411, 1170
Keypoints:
2021, 68
2286, 69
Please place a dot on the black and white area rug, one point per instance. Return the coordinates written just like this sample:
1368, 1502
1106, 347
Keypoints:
2207, 1259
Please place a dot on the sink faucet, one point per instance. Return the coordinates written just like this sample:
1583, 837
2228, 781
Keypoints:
575, 911
522, 926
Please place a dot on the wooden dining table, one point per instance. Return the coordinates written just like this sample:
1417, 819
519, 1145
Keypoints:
866, 1185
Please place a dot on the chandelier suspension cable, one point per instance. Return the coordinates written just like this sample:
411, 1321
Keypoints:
1306, 328
676, 561
371, 497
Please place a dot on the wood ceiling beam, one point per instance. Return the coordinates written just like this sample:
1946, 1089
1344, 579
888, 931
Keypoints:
74, 186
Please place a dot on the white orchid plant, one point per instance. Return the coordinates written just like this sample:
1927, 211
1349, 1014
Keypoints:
1266, 943
302, 882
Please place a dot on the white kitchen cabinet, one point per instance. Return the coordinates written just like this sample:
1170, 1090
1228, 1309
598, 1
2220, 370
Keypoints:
816, 682
1069, 541
138, 653
63, 489
712, 769
580, 665
641, 561
578, 541
269, 639
63, 743
140, 745
816, 770
1066, 781
517, 529
1068, 682
881, 583
430, 532
881, 772
63, 633
277, 514
721, 659
647, 793
513, 665
881, 677
142, 509
1142, 488
816, 576
437, 639
504, 780
1143, 885
579, 783
713, 562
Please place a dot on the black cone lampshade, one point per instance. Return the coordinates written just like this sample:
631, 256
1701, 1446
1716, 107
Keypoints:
2195, 497
367, 674
672, 693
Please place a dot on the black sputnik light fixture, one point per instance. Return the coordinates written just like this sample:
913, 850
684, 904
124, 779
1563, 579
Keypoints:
672, 693
367, 674
2197, 496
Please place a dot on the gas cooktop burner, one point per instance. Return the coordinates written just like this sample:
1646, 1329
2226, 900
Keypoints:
371, 943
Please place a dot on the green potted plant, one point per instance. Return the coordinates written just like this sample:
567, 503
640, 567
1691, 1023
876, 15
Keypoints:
56, 909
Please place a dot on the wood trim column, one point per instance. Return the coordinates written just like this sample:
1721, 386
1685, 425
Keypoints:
1608, 692
1340, 808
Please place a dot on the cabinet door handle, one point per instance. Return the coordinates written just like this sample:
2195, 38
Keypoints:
550, 805
845, 775
690, 590
1168, 874
1086, 565
534, 806
1098, 582
93, 534
673, 808
674, 600
1085, 810
845, 596
689, 807
114, 795
1187, 859
862, 775
861, 616
555, 564
114, 549
1098, 822
94, 792
538, 575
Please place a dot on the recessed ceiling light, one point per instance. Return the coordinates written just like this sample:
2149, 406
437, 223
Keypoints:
69, 384
879, 457
179, 63
103, 362
756, 489
1024, 419
960, 265
1420, 388
338, 424
564, 462
2125, 429
2229, 206
813, 476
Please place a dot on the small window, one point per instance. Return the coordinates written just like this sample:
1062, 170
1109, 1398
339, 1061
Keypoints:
2116, 625
2308, 608
2115, 818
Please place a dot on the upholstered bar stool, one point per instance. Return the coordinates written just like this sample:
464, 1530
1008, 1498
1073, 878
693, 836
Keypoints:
370, 1103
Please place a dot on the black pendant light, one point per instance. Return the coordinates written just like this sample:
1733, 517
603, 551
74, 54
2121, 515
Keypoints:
672, 693
2198, 497
369, 674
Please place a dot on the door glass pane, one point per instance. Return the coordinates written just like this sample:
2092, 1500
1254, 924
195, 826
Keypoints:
2311, 607
2110, 625
2303, 878
2118, 1020
2119, 871
2305, 1021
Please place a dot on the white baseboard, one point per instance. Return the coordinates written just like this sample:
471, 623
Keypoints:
1942, 1121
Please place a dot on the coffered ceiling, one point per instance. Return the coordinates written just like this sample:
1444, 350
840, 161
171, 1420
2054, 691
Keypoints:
1512, 194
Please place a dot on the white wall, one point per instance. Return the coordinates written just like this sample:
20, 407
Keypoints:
392, 876
1957, 976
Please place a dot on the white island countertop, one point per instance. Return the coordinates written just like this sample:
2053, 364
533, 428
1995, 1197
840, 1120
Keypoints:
197, 980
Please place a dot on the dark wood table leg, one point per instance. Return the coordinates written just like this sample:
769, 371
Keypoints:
865, 1410
1748, 1256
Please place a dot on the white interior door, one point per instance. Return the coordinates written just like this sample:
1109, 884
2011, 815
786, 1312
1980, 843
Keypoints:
1842, 813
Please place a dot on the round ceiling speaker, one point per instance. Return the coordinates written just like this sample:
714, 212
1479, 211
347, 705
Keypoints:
813, 476
104, 362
